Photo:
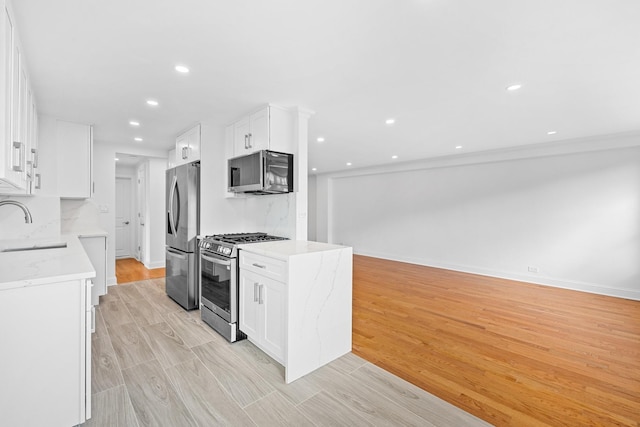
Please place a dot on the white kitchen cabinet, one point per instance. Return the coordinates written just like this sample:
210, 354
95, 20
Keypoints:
46, 354
16, 111
74, 143
96, 249
270, 128
188, 146
34, 160
262, 312
295, 302
171, 159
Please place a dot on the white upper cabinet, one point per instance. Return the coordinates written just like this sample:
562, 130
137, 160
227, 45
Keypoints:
171, 159
18, 114
269, 128
74, 160
188, 146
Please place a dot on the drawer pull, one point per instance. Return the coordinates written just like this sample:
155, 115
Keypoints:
255, 264
255, 292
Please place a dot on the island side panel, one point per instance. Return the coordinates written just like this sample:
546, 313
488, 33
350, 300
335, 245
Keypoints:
319, 310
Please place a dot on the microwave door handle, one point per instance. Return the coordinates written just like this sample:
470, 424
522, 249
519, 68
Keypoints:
174, 185
263, 169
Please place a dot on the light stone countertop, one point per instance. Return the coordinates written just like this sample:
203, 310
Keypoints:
37, 267
87, 232
284, 249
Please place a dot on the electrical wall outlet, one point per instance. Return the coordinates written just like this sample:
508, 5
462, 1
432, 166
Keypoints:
532, 269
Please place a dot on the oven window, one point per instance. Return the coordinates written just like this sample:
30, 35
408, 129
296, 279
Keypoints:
215, 284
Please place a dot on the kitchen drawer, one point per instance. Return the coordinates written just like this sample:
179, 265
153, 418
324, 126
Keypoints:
270, 267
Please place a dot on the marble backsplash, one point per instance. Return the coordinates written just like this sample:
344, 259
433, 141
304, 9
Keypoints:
79, 215
45, 212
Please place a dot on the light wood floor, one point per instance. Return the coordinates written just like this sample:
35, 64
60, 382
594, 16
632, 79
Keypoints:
154, 364
511, 353
131, 270
514, 354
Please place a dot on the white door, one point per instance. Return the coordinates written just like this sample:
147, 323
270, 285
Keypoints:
123, 217
141, 214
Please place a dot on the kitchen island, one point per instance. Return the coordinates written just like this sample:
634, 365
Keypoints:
296, 302
45, 325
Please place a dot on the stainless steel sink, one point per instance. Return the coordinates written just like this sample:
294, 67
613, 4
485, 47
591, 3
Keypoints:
33, 247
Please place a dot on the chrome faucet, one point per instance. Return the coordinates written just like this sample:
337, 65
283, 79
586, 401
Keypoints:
27, 214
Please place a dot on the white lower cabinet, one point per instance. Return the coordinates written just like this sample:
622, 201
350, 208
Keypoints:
45, 354
262, 312
295, 302
96, 249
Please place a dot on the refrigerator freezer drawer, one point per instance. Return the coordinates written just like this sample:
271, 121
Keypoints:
181, 284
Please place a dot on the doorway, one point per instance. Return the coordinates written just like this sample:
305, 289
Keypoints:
142, 213
123, 217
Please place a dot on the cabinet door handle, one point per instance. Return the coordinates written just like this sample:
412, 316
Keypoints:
250, 140
246, 137
255, 264
35, 157
19, 148
38, 180
255, 292
261, 294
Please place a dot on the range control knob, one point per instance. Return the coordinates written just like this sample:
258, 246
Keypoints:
227, 251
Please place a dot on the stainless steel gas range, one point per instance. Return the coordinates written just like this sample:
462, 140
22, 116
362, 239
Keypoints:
219, 280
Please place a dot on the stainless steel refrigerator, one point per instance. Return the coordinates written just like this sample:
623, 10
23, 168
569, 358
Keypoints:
183, 226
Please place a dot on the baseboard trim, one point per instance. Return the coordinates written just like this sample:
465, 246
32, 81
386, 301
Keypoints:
112, 281
157, 264
593, 288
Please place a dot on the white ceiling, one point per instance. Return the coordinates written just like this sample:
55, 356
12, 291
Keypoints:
439, 67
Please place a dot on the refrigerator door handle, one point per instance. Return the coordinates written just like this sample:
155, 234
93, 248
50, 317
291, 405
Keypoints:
176, 254
174, 185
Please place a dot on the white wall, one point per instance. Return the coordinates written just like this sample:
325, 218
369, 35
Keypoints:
575, 217
313, 208
104, 174
155, 212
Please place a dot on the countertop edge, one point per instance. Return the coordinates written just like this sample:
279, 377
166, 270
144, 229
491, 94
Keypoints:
71, 264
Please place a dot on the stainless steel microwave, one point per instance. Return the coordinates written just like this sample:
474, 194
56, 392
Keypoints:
262, 172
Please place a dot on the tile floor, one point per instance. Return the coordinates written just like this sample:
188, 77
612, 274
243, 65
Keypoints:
154, 364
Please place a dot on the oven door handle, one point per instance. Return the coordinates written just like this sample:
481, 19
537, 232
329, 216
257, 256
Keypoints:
215, 260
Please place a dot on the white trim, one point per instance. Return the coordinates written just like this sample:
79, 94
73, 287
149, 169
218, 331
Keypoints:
593, 288
112, 281
157, 264
556, 148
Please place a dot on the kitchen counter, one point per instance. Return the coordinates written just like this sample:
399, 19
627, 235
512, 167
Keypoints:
284, 249
37, 267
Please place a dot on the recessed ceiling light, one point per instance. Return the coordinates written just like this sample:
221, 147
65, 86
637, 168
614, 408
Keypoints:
182, 69
514, 87
551, 132
348, 163
320, 139
458, 147
116, 159
152, 102
134, 123
390, 121
314, 169
137, 138
394, 157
